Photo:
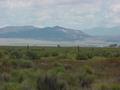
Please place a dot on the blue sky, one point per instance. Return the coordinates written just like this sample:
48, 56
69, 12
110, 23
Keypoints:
78, 14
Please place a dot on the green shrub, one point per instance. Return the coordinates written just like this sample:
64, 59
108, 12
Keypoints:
12, 86
86, 80
104, 87
88, 69
110, 87
86, 77
25, 63
46, 54
81, 56
115, 87
15, 54
58, 70
5, 65
1, 55
21, 63
54, 54
32, 55
27, 85
5, 77
50, 83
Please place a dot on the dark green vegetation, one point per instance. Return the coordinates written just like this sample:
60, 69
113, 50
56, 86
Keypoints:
59, 68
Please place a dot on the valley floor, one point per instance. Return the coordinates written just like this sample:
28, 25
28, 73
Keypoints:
59, 68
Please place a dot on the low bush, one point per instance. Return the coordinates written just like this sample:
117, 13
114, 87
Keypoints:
110, 87
50, 83
81, 56
1, 55
54, 54
15, 54
86, 78
12, 86
32, 55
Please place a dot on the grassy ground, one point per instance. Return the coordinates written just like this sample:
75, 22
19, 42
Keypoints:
59, 68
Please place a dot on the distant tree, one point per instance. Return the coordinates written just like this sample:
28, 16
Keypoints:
113, 45
58, 46
28, 46
119, 46
78, 49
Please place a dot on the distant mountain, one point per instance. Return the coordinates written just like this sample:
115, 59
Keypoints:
56, 33
111, 38
109, 34
104, 31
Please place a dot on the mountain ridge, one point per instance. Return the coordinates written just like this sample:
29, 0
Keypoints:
55, 33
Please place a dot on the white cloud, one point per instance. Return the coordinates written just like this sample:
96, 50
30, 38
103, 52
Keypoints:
115, 8
74, 13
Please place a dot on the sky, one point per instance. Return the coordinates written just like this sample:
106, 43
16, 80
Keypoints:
77, 14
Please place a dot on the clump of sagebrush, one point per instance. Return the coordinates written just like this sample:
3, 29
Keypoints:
109, 87
5, 65
16, 54
5, 77
21, 63
86, 78
1, 55
50, 83
32, 55
12, 86
45, 54
84, 55
54, 54
58, 70
81, 56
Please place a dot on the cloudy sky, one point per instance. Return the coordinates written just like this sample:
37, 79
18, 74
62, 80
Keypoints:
79, 14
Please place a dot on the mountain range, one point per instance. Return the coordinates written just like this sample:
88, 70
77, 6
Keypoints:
58, 33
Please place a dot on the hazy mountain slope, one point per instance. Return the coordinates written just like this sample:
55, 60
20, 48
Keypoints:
104, 31
49, 33
109, 34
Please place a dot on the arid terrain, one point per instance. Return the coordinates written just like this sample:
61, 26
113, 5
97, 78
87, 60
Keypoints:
59, 68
